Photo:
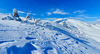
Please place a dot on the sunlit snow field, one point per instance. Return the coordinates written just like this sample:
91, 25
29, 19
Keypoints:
49, 37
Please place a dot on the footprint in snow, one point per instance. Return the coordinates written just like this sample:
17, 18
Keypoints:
65, 39
29, 38
46, 49
6, 41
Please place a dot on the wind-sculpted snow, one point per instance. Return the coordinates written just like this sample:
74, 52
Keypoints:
45, 37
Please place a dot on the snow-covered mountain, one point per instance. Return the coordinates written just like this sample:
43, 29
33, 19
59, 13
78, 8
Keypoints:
62, 36
89, 30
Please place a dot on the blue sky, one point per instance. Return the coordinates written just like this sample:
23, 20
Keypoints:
84, 10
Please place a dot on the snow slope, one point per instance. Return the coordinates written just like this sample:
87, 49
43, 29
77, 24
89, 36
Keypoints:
89, 30
2, 15
49, 37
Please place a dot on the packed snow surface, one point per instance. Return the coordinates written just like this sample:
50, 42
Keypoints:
49, 37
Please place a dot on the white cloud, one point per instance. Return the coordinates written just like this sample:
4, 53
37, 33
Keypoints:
49, 13
75, 17
81, 17
95, 22
65, 17
34, 14
51, 18
79, 11
58, 11
98, 19
84, 16
21, 12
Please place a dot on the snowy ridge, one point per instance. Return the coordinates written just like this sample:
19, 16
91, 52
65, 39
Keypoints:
90, 30
48, 37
